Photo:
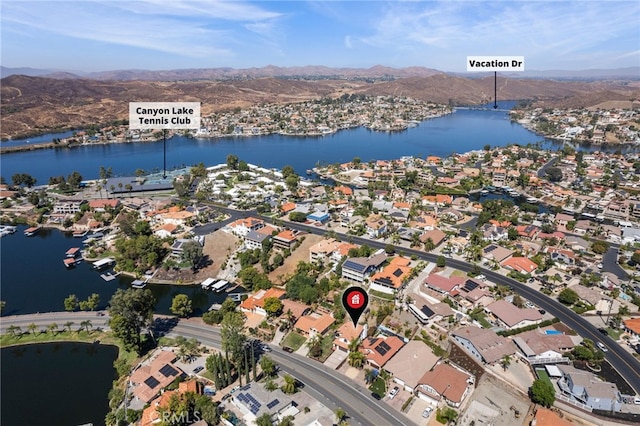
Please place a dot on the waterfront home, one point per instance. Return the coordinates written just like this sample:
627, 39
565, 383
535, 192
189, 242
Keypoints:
68, 206
254, 401
445, 382
149, 379
152, 415
255, 302
102, 204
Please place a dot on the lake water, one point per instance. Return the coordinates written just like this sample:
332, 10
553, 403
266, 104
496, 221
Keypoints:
34, 278
56, 383
462, 131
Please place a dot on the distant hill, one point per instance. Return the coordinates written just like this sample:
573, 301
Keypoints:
30, 104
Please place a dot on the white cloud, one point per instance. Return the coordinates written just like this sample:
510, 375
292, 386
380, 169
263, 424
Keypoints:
186, 28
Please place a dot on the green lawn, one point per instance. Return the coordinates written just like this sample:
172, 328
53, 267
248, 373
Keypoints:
378, 387
542, 375
614, 332
293, 340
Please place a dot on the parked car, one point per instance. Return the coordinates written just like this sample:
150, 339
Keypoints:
287, 349
603, 331
198, 369
427, 412
394, 392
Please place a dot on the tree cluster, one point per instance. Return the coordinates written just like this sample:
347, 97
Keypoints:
130, 311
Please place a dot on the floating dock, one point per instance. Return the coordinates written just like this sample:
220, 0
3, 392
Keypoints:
138, 284
108, 276
70, 262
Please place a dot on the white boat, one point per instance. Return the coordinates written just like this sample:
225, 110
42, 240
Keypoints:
532, 200
138, 284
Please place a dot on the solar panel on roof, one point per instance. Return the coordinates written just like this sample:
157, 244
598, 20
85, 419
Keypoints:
152, 382
471, 285
490, 248
273, 404
244, 388
355, 266
168, 370
427, 311
381, 351
385, 346
397, 272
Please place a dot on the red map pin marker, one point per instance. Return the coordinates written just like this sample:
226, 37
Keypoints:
355, 301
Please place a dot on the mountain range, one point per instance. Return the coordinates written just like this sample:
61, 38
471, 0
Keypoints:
31, 105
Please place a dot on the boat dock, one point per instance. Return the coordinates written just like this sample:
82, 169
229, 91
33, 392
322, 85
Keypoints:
108, 276
70, 262
6, 230
206, 284
79, 234
73, 252
219, 286
103, 263
30, 232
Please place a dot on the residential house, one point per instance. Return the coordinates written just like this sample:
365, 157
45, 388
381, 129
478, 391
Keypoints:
323, 250
538, 347
256, 239
166, 230
445, 382
410, 363
632, 326
254, 401
430, 311
346, 333
588, 389
375, 226
152, 415
496, 253
358, 268
444, 285
285, 239
510, 316
149, 379
102, 204
523, 265
69, 206
310, 325
567, 257
241, 227
483, 344
435, 235
379, 350
255, 302
392, 277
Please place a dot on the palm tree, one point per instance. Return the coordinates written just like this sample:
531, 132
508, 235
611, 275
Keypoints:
354, 344
356, 359
13, 329
32, 328
68, 325
53, 328
505, 362
340, 414
86, 324
290, 384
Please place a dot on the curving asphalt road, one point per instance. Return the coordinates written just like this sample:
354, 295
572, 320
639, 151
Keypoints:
326, 385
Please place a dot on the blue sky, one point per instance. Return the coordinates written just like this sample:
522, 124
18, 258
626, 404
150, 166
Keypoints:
87, 35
